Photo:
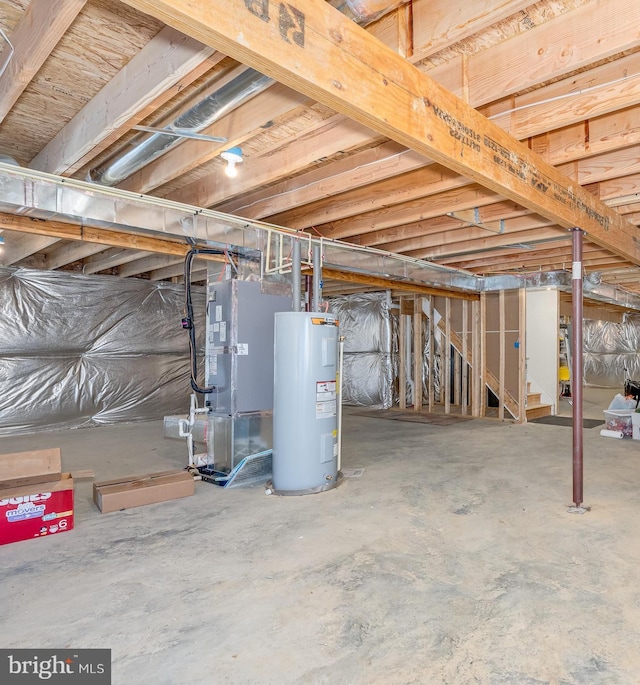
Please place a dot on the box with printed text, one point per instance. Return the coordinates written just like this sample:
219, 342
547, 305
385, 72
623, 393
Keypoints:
36, 499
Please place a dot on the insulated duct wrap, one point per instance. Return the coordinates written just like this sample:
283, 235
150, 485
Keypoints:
368, 370
81, 350
609, 349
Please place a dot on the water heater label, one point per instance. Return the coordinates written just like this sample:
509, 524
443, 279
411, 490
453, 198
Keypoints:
325, 391
218, 312
223, 331
325, 399
243, 348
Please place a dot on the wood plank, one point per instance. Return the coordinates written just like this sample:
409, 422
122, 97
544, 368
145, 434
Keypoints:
36, 35
464, 386
149, 263
440, 23
70, 252
379, 89
274, 166
522, 354
560, 46
432, 352
120, 239
168, 63
239, 125
402, 370
19, 247
447, 356
375, 281
475, 361
418, 366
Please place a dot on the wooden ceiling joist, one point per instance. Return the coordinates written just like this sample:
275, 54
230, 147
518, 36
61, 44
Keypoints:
374, 86
37, 34
164, 66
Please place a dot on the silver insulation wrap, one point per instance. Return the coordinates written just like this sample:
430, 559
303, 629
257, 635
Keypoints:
81, 350
609, 349
368, 374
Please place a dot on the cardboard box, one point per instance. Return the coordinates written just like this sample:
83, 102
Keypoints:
26, 468
35, 511
136, 491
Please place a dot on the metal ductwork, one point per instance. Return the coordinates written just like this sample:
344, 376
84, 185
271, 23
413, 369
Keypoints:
206, 112
199, 117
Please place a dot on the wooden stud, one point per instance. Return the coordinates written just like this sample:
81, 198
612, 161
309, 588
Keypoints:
417, 353
483, 355
522, 354
432, 352
402, 371
447, 356
465, 359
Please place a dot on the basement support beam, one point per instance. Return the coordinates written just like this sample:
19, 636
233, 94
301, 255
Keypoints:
376, 87
36, 35
577, 370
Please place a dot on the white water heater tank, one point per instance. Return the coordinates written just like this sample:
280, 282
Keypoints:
305, 411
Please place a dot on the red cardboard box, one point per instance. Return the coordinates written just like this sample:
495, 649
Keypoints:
34, 510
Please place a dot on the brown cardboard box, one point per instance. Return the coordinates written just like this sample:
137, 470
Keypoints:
136, 491
27, 468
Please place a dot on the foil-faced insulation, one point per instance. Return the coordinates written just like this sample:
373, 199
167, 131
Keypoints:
368, 374
609, 349
80, 350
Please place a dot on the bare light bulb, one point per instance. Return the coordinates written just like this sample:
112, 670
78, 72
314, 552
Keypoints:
232, 156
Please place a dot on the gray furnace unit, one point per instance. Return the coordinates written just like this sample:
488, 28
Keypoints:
239, 365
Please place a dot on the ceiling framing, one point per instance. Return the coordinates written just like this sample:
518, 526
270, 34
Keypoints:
474, 138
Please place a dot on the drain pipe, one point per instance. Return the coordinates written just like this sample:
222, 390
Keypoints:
317, 279
296, 275
339, 398
577, 371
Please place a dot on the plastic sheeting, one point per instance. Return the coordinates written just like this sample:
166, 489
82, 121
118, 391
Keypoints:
609, 349
368, 369
81, 350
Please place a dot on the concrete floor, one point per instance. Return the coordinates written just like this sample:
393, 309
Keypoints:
451, 560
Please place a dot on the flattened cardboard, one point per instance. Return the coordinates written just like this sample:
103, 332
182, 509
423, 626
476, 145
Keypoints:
37, 510
136, 491
18, 469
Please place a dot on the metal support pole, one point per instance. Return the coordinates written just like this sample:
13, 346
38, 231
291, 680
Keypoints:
577, 370
296, 275
317, 279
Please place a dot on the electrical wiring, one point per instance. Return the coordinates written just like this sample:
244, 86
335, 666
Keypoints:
188, 322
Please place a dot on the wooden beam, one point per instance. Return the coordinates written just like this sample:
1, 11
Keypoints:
240, 124
36, 35
418, 365
19, 247
377, 282
149, 263
168, 63
522, 355
109, 259
447, 356
402, 366
70, 252
432, 352
59, 229
319, 52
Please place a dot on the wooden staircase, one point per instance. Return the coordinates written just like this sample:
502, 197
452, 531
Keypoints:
535, 409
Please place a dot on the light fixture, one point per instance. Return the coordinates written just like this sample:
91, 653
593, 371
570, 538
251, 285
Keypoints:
232, 156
